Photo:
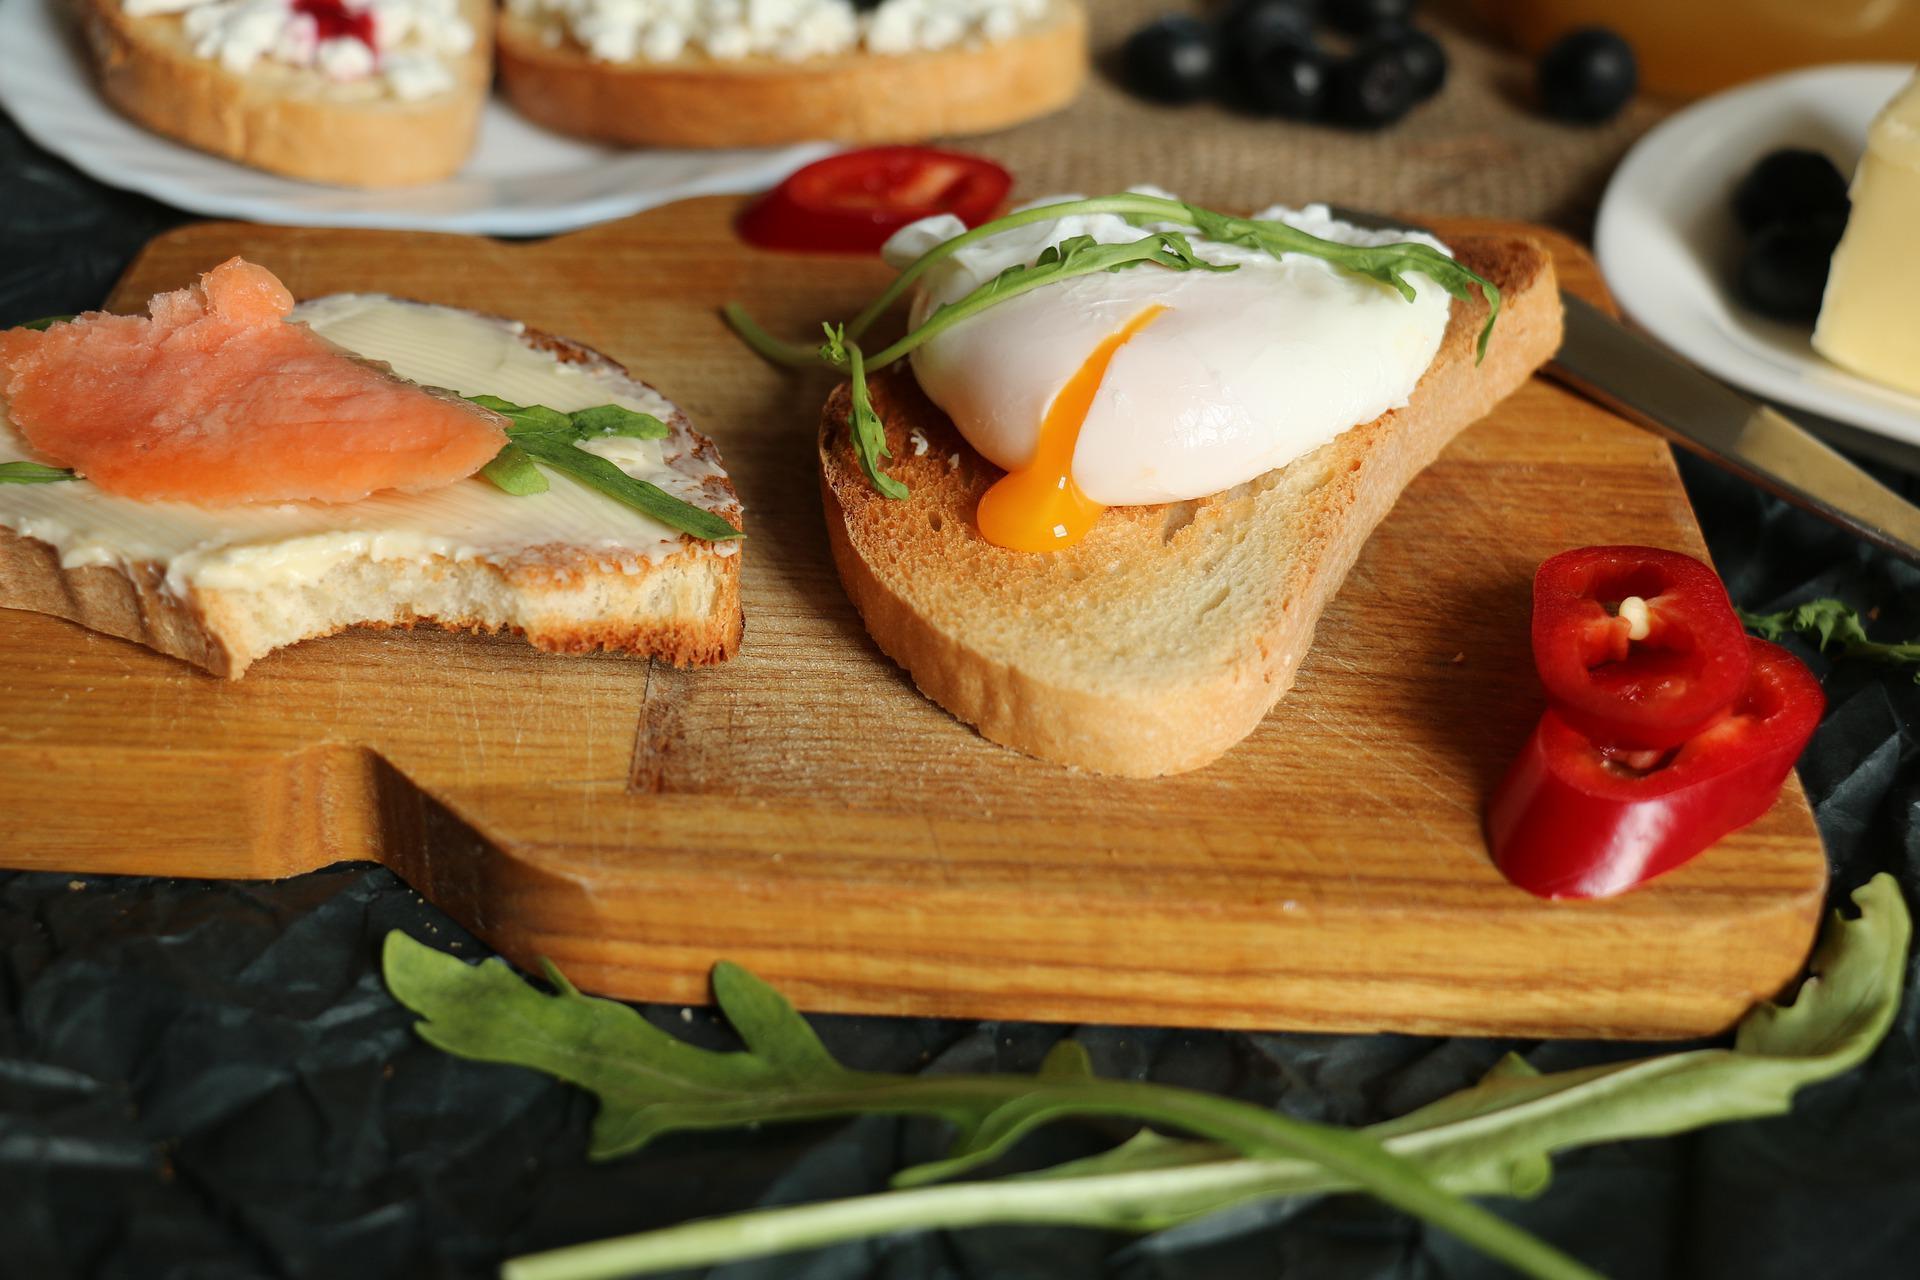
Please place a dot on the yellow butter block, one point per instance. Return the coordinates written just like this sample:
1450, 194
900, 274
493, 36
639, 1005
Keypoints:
1870, 317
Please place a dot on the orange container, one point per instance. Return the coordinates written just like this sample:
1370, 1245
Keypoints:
1691, 47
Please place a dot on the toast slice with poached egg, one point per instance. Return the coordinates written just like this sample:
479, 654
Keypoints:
1167, 633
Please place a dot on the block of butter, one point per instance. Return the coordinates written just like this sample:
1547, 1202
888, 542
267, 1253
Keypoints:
1870, 318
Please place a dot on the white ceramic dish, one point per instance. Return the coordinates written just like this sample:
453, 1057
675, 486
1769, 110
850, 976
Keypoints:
1667, 242
521, 180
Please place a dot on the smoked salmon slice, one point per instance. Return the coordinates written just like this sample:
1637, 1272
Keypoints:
215, 398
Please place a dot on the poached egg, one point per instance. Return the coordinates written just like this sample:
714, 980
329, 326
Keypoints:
1149, 385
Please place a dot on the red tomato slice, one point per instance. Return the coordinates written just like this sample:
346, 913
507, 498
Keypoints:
1575, 820
1651, 692
851, 203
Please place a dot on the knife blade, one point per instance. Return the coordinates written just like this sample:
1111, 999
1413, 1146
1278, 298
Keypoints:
1651, 387
1643, 382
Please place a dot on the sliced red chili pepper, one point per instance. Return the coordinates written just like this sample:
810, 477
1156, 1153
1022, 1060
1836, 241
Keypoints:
1638, 647
851, 202
1576, 820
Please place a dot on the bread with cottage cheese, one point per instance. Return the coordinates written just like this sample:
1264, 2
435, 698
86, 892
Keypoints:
696, 99
408, 119
1165, 636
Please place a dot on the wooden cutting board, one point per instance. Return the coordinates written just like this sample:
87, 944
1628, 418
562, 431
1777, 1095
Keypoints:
804, 811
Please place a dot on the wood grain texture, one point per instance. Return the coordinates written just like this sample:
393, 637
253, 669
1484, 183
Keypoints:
804, 811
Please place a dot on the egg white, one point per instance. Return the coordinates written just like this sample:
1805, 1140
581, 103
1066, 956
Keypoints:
1244, 372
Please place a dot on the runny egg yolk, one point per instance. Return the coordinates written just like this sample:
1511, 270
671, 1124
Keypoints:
1039, 507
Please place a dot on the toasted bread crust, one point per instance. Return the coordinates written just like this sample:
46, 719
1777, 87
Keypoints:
751, 102
287, 120
684, 609
913, 567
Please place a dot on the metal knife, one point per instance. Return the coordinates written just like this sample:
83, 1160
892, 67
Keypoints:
1645, 383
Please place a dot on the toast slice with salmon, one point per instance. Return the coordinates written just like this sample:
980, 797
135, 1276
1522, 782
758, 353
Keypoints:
239, 483
1168, 633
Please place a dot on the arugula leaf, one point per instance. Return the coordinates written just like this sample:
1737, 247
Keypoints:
537, 434
650, 1083
596, 472
1495, 1138
44, 323
1165, 244
1826, 621
869, 433
33, 473
614, 420
1075, 256
513, 471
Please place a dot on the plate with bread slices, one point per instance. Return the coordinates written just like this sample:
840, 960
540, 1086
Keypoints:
380, 113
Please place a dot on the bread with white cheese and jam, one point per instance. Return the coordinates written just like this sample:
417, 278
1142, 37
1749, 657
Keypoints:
695, 73
354, 93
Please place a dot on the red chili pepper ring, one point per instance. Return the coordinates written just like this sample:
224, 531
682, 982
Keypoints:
1576, 820
1637, 647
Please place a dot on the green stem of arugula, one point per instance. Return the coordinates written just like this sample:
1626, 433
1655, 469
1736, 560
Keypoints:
798, 355
1140, 206
953, 313
1130, 205
1322, 1160
1352, 1159
1085, 1203
793, 355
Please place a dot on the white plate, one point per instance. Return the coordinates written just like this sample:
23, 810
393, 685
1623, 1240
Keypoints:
1667, 242
521, 180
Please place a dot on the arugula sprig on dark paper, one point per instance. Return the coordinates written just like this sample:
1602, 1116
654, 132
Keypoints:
541, 437
1496, 1138
1828, 622
1166, 244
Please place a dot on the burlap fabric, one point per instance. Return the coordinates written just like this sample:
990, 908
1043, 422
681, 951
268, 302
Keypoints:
1478, 148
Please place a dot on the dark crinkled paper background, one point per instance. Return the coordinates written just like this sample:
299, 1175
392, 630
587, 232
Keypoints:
209, 1082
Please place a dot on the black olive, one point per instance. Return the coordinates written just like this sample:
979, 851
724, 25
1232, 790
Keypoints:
1253, 24
1284, 78
1784, 271
1171, 59
1368, 17
1789, 185
1370, 89
1425, 60
1588, 76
